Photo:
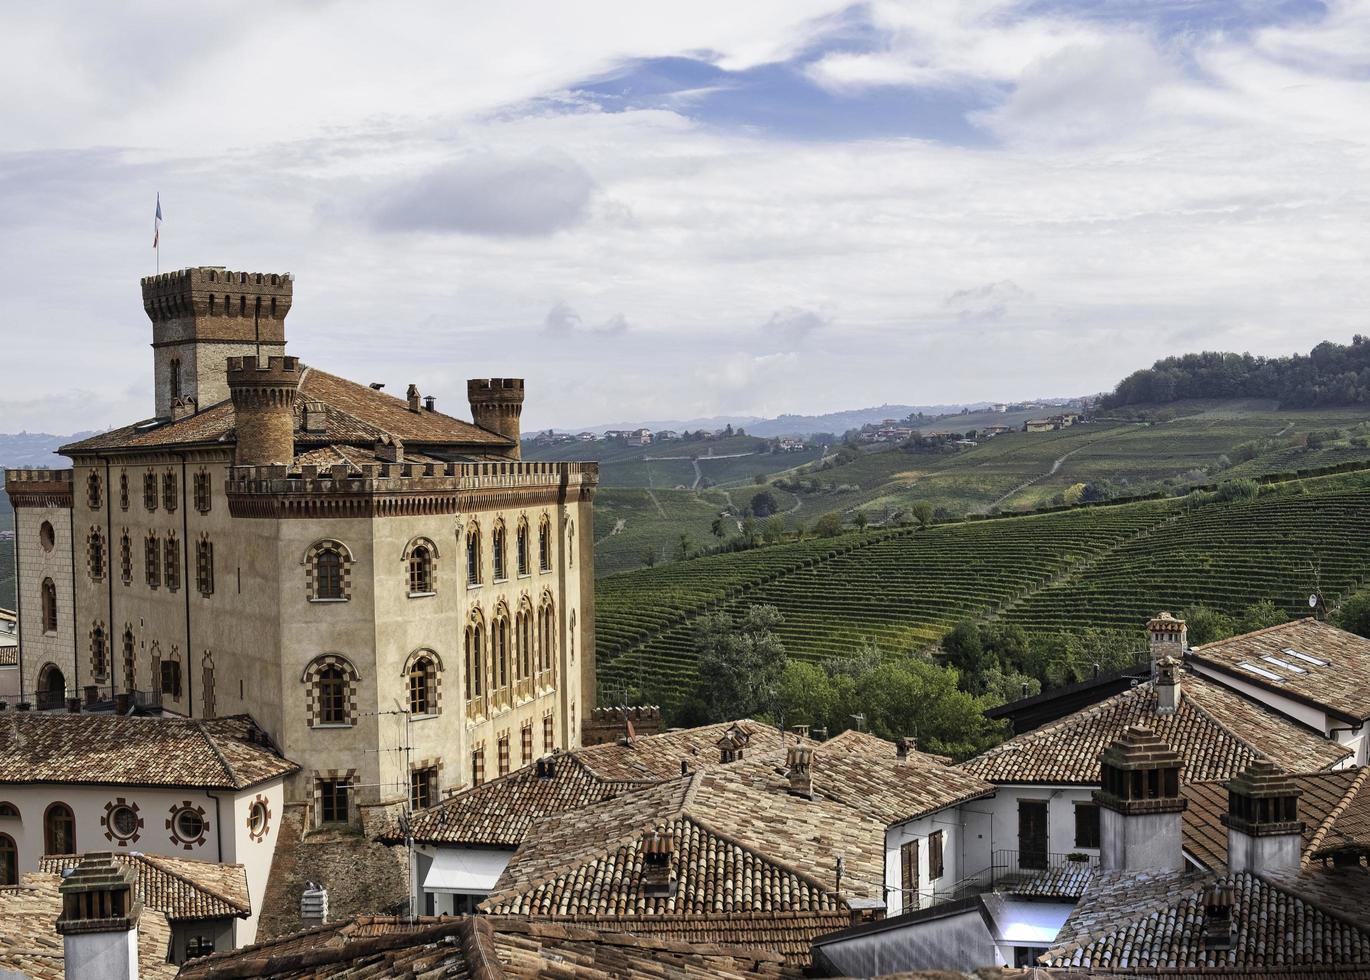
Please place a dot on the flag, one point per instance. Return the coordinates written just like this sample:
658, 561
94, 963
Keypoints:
157, 223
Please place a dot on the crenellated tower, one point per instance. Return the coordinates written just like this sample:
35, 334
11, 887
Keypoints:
203, 316
264, 407
496, 404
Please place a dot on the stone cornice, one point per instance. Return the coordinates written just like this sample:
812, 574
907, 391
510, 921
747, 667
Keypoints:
39, 488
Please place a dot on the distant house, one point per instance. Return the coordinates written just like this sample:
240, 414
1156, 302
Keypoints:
666, 435
791, 445
966, 443
587, 436
999, 407
640, 437
1040, 425
990, 431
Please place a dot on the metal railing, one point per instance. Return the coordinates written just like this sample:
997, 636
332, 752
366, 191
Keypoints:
1008, 868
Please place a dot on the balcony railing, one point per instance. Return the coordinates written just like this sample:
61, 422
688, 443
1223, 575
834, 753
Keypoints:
1010, 868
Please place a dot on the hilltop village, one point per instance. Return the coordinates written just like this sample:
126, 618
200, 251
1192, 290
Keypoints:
303, 682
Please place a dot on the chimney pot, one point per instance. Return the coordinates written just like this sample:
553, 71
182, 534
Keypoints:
429, 402
377, 385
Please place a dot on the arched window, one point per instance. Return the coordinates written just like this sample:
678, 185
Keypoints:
328, 568
125, 559
473, 554
49, 606
172, 550
423, 683
9, 861
52, 687
475, 657
499, 639
150, 491
152, 561
123, 491
95, 554
129, 676
59, 830
420, 556
169, 491
521, 546
332, 683
571, 639
99, 652
523, 641
94, 497
175, 378
207, 684
545, 544
497, 552
570, 544
547, 634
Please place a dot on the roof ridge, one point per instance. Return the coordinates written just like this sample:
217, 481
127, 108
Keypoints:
152, 860
1334, 814
1250, 633
235, 780
1074, 718
775, 862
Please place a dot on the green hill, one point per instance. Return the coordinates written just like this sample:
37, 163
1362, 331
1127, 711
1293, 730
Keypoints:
1105, 567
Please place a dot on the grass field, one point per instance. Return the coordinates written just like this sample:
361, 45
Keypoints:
1101, 567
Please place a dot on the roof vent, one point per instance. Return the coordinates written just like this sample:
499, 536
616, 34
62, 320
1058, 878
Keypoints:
314, 905
657, 851
377, 385
547, 767
1218, 915
430, 403
799, 769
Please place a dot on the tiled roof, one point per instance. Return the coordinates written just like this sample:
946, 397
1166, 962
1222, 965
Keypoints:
487, 948
788, 933
355, 413
1273, 929
1217, 733
54, 747
1324, 798
31, 947
659, 756
1333, 671
498, 813
1343, 892
180, 888
1068, 881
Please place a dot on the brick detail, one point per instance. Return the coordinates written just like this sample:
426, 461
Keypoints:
310, 567
310, 678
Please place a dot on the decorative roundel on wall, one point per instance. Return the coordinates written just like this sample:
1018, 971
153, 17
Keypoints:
258, 819
121, 821
188, 824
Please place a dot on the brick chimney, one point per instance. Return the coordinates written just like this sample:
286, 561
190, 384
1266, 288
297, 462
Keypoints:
733, 745
413, 396
1140, 804
1264, 832
390, 449
1167, 685
1168, 637
99, 920
905, 746
799, 769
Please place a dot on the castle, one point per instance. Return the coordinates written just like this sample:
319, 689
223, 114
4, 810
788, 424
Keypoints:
403, 605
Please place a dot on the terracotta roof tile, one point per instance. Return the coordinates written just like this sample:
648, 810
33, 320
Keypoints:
1340, 683
1217, 733
53, 747
182, 889
659, 756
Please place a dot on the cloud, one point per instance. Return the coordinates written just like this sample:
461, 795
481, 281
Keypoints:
488, 195
564, 322
987, 302
792, 325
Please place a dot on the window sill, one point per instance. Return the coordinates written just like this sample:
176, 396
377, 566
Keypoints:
426, 717
525, 574
473, 585
420, 595
334, 725
316, 599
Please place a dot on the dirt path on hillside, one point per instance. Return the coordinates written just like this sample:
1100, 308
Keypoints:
1055, 468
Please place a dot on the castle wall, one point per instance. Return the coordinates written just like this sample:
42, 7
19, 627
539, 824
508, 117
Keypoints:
36, 561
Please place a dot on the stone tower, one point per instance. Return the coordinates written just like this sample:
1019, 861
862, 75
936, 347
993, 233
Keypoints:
264, 408
203, 316
496, 404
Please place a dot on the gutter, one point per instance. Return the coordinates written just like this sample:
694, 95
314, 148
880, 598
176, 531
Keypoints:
71, 522
109, 577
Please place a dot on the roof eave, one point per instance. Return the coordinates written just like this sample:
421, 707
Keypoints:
1241, 675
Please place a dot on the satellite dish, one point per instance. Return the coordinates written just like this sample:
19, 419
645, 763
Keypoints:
1313, 601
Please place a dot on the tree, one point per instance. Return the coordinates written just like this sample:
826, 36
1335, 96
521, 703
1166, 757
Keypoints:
649, 557
829, 525
1353, 615
764, 504
1073, 494
719, 529
861, 519
922, 513
741, 662
1204, 625
749, 530
965, 651
683, 547
773, 531
1261, 615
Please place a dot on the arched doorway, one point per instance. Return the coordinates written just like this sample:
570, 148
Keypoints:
52, 687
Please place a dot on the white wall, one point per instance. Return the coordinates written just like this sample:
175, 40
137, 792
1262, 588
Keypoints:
254, 856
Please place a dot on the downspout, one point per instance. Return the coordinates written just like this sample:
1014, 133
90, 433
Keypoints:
185, 585
109, 577
18, 597
218, 827
71, 521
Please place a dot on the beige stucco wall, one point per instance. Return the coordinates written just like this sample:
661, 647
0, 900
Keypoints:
33, 564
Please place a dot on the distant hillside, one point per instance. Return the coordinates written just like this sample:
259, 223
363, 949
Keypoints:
1330, 374
34, 448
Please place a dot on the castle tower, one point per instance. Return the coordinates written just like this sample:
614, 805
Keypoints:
496, 404
203, 316
1140, 804
1264, 832
264, 408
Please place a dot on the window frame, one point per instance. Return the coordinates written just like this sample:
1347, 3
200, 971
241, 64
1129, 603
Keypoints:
1085, 823
936, 859
49, 607
331, 791
332, 683
55, 809
169, 491
423, 787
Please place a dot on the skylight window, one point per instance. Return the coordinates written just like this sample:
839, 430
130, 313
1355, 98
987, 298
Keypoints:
1261, 672
1291, 652
1284, 664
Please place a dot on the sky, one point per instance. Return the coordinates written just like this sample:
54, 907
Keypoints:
666, 210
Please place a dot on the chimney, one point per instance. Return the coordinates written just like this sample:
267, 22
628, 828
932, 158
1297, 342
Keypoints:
546, 767
1218, 915
121, 701
315, 417
182, 408
390, 449
684, 767
1167, 685
733, 745
413, 395
1140, 804
99, 920
1264, 832
313, 905
799, 768
74, 706
430, 403
657, 851
905, 746
1168, 637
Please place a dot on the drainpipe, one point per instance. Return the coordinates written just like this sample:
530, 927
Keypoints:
109, 576
71, 522
19, 594
218, 828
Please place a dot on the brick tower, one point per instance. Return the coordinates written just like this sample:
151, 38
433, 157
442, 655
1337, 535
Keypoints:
496, 404
264, 405
203, 316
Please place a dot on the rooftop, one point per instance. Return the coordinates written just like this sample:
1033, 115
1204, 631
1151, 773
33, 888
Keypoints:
102, 749
1306, 660
1215, 731
181, 888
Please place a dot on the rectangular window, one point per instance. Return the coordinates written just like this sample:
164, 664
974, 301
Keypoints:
526, 740
478, 764
173, 564
171, 678
204, 567
523, 550
93, 494
1086, 825
126, 559
548, 739
203, 500
152, 560
935, 868
504, 754
908, 874
423, 787
334, 797
169, 491
150, 491
123, 491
